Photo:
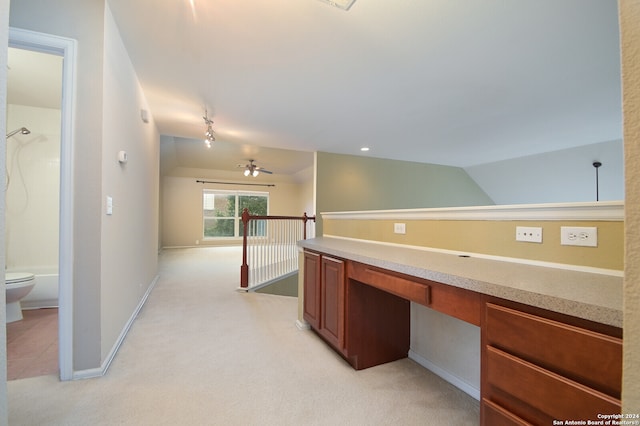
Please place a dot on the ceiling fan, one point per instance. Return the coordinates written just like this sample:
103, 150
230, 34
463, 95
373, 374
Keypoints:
252, 170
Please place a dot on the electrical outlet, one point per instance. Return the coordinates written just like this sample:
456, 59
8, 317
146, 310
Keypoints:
529, 234
586, 236
399, 228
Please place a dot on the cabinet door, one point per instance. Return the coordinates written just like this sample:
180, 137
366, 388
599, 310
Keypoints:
311, 311
332, 301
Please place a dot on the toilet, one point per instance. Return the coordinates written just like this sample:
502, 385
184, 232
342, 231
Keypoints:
18, 285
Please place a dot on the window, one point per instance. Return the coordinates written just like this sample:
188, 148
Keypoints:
222, 211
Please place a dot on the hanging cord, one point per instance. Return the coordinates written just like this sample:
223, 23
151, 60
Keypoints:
15, 159
597, 165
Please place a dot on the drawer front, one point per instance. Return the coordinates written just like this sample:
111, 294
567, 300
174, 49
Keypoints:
494, 415
456, 302
405, 288
512, 381
590, 358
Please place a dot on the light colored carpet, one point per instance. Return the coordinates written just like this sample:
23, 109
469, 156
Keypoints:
202, 353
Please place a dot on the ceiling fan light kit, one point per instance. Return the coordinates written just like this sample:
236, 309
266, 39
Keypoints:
252, 169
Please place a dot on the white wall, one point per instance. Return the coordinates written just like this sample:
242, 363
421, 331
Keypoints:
4, 43
114, 258
448, 346
83, 21
130, 234
305, 177
561, 176
33, 193
182, 202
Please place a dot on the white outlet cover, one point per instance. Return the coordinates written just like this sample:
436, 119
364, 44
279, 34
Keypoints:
399, 228
584, 236
529, 234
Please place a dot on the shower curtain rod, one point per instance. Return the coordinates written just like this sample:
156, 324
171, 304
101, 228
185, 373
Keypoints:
235, 183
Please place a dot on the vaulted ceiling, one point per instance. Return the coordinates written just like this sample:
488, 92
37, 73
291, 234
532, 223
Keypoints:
456, 82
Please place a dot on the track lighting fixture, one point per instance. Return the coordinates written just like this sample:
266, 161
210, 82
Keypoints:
209, 135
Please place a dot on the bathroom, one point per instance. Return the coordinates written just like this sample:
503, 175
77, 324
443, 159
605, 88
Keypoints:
32, 208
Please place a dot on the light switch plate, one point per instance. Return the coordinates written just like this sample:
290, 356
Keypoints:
399, 228
109, 205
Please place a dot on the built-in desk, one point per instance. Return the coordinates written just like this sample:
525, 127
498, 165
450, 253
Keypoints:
551, 338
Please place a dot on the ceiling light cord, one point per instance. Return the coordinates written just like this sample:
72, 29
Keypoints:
597, 165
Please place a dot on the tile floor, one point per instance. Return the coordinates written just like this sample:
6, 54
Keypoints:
32, 344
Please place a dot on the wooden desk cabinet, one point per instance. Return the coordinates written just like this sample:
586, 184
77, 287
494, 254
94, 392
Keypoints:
539, 366
332, 296
536, 365
365, 325
324, 297
311, 307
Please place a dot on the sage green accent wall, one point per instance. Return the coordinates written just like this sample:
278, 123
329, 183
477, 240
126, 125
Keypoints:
493, 237
353, 183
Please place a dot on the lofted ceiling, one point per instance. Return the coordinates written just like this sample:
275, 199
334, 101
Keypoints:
455, 82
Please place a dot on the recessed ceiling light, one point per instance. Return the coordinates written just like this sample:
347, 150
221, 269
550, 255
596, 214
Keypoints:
342, 4
364, 149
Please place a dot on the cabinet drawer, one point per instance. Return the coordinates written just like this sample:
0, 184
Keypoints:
405, 288
456, 302
587, 357
495, 415
515, 381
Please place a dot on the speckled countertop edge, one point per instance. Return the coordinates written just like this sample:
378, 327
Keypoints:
587, 295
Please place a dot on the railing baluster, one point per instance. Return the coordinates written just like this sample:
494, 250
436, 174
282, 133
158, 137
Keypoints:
269, 246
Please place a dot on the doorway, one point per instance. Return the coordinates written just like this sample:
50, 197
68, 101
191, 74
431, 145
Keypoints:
32, 197
66, 49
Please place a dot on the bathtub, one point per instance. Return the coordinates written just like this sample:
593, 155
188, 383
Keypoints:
44, 293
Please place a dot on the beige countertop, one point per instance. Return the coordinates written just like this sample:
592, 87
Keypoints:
588, 295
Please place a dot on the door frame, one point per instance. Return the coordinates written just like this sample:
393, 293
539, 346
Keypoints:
67, 48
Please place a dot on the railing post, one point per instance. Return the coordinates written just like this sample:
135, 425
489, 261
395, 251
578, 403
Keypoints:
304, 225
306, 218
274, 248
244, 268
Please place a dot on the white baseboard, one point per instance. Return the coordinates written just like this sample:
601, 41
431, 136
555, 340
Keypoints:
102, 370
446, 375
303, 325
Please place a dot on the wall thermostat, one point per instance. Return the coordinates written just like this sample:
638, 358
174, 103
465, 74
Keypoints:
122, 157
